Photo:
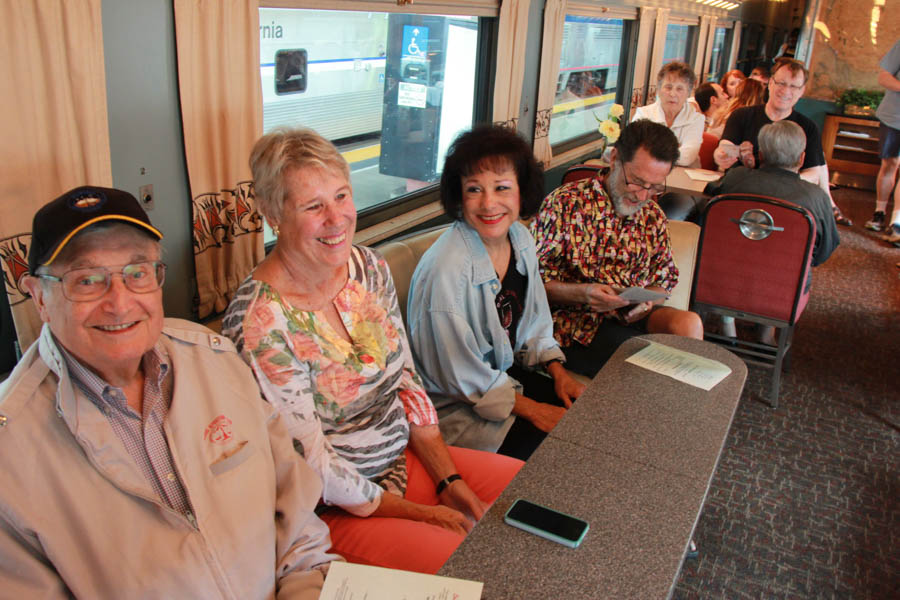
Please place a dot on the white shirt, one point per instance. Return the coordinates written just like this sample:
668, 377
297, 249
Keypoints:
688, 128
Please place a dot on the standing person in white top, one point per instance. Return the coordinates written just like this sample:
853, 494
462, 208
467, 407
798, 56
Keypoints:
888, 114
675, 83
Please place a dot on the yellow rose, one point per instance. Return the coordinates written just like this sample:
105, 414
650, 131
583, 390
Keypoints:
610, 131
616, 111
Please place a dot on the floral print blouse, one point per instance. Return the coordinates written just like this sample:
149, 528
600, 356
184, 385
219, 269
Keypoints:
348, 405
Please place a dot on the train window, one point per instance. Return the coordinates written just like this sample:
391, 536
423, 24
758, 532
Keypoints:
680, 42
718, 63
589, 75
390, 90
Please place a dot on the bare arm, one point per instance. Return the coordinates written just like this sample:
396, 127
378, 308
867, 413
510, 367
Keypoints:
600, 297
428, 444
888, 81
542, 415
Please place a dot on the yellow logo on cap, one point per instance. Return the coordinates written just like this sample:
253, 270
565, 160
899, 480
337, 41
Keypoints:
87, 202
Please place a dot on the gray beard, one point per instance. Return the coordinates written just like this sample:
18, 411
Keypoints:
618, 193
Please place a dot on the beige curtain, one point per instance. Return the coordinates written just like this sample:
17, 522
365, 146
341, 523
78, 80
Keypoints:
510, 62
221, 107
55, 133
554, 19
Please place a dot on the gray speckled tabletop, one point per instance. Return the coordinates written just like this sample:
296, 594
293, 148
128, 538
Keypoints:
634, 457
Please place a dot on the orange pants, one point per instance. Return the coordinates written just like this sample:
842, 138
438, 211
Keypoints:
415, 545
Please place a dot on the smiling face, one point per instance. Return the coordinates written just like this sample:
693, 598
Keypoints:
491, 201
109, 335
785, 89
627, 183
673, 92
318, 219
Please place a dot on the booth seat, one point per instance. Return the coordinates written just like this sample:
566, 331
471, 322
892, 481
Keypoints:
403, 254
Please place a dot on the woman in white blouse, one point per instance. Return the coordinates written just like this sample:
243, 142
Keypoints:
675, 83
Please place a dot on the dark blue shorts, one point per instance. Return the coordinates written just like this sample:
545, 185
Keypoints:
890, 141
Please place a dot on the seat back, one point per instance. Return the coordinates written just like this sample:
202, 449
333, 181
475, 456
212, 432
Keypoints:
707, 147
402, 256
582, 171
763, 277
683, 237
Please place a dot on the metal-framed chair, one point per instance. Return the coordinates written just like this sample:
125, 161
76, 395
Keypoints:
753, 264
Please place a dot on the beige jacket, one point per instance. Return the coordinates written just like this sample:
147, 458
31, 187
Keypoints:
77, 517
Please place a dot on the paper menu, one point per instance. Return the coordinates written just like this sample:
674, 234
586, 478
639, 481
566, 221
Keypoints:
347, 581
702, 174
686, 367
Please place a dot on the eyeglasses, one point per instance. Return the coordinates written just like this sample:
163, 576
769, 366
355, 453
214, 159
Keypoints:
784, 85
83, 285
653, 189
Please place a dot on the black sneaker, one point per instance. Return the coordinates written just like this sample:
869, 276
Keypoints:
877, 222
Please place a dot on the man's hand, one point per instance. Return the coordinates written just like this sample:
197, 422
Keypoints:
638, 312
458, 495
602, 298
726, 154
746, 155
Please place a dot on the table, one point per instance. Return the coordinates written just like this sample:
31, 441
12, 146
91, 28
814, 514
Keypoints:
679, 181
634, 457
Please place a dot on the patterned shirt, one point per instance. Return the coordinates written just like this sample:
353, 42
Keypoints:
581, 239
348, 405
142, 435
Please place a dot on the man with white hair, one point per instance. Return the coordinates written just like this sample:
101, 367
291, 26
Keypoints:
139, 458
782, 151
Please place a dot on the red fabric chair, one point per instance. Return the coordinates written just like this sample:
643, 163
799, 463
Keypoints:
577, 172
753, 264
707, 147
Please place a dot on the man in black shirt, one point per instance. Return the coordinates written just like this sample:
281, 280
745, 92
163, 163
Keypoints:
740, 139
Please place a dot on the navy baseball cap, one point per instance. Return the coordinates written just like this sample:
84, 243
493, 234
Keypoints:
57, 222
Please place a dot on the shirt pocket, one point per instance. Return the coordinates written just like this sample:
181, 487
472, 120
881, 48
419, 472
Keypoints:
232, 459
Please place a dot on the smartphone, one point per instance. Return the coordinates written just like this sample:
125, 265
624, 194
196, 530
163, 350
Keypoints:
548, 523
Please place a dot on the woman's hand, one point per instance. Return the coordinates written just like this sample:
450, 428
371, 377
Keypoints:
566, 387
459, 495
394, 506
542, 415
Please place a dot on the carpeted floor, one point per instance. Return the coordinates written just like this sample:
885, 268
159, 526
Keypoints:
806, 500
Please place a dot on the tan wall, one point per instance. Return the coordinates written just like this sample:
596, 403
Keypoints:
861, 32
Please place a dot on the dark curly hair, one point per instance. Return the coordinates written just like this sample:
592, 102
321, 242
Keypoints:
484, 147
657, 139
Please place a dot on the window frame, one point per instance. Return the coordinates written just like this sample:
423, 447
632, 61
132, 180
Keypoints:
569, 149
379, 222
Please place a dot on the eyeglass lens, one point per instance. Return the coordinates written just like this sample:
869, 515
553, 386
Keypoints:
89, 283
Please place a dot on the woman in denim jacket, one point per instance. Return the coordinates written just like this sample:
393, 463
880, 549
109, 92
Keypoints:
479, 322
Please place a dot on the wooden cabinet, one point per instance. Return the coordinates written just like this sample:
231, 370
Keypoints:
851, 150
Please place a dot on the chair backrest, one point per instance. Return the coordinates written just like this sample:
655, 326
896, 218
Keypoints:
402, 256
577, 172
764, 277
707, 147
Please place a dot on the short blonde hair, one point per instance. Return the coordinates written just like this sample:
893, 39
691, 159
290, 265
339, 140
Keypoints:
284, 149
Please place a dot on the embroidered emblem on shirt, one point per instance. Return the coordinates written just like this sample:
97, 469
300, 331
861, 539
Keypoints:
219, 431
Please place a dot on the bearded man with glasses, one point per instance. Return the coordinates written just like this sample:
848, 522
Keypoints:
140, 460
597, 237
740, 139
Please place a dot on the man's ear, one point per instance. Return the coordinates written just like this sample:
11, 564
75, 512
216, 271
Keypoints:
36, 289
613, 155
801, 159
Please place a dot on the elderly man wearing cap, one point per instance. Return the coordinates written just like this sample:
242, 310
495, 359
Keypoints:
139, 459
